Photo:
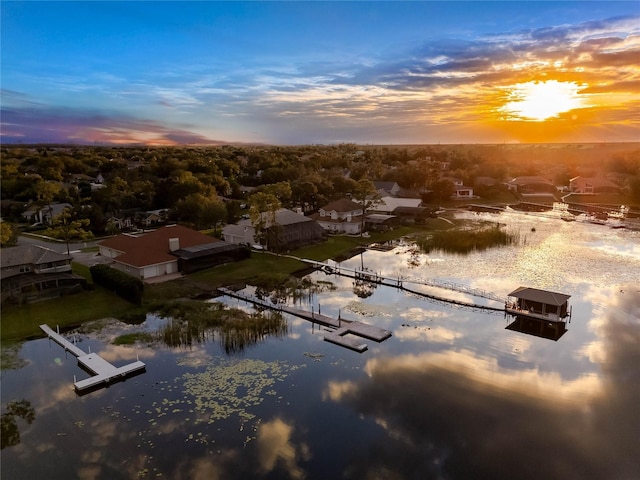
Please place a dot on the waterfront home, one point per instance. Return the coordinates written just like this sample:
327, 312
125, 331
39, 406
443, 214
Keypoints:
168, 252
32, 272
290, 230
341, 216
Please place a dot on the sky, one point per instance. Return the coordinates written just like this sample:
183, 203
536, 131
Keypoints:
291, 73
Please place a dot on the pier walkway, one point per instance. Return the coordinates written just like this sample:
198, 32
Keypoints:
344, 333
400, 283
103, 371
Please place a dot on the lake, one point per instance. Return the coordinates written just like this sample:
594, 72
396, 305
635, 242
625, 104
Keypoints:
454, 393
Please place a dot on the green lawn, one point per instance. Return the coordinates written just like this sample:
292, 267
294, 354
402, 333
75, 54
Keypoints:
602, 199
24, 320
261, 268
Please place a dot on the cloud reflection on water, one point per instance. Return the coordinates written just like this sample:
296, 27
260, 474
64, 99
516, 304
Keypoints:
456, 414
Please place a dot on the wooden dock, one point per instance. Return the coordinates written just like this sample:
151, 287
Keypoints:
400, 284
103, 371
345, 332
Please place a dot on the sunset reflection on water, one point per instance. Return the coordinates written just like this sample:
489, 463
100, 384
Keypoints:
453, 394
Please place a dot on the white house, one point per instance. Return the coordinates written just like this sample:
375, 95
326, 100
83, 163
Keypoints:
388, 205
341, 216
461, 191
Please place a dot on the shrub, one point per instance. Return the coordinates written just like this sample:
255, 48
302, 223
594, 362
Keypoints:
124, 285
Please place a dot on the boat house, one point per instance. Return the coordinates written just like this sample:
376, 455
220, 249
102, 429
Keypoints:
537, 303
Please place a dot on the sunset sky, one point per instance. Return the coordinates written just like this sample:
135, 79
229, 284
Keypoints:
320, 72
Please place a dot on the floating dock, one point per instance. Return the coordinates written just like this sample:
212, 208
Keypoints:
103, 371
345, 332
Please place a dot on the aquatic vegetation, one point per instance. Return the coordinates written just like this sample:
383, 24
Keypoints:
236, 335
131, 338
233, 388
222, 391
193, 322
10, 356
367, 310
315, 356
293, 288
465, 240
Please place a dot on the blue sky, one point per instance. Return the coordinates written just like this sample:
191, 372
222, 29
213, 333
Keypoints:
318, 72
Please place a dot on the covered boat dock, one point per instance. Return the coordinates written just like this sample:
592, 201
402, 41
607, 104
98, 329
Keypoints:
537, 303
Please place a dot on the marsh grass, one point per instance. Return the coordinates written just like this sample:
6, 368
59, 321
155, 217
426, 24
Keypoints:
463, 241
192, 322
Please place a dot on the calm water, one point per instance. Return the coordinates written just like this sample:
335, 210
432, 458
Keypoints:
453, 394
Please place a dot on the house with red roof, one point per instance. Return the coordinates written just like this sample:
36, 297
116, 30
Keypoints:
168, 252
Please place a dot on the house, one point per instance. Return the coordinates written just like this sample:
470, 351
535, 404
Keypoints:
32, 272
120, 223
531, 185
485, 182
460, 191
290, 230
404, 209
378, 222
592, 185
45, 215
388, 205
167, 251
388, 188
341, 216
151, 218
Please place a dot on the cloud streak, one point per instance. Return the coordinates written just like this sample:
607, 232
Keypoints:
420, 91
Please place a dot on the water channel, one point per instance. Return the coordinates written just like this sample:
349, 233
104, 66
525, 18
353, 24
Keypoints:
453, 394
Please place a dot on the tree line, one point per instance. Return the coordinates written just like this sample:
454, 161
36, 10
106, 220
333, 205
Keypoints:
206, 187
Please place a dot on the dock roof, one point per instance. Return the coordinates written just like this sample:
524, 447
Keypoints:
541, 296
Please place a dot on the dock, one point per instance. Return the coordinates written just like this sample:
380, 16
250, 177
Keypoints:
401, 284
344, 332
102, 371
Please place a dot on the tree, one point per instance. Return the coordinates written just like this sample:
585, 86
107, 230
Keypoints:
67, 228
212, 212
281, 190
366, 195
8, 237
263, 214
443, 189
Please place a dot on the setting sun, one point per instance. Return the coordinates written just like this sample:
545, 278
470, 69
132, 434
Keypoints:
542, 100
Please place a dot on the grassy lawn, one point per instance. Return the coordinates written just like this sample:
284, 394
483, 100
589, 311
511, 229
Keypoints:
261, 268
23, 321
602, 199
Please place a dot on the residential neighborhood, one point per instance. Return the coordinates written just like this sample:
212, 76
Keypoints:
158, 214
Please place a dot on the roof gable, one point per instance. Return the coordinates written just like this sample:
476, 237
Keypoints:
541, 296
342, 205
30, 254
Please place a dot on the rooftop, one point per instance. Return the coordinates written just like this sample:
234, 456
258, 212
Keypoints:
541, 296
